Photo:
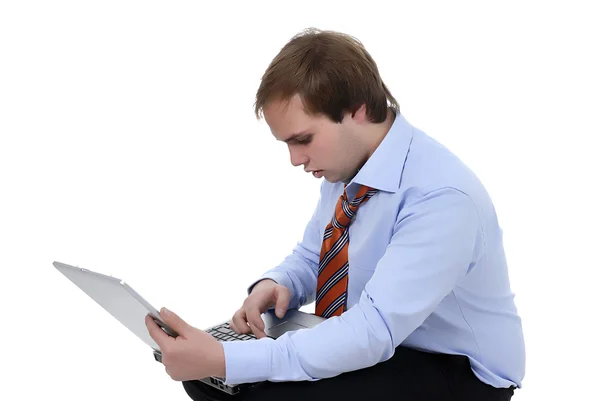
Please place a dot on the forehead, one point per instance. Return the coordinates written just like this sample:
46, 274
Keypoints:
286, 118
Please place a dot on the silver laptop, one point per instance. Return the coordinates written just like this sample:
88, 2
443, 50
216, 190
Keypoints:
128, 307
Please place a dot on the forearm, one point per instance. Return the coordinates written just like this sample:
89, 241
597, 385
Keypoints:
337, 345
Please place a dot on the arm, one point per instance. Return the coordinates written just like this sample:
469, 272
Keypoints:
298, 271
431, 249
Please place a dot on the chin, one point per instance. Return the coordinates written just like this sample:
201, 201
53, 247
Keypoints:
332, 180
335, 178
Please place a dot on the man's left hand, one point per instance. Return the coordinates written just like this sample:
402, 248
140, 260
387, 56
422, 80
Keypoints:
193, 355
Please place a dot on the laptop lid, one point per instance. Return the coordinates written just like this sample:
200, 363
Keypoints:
118, 299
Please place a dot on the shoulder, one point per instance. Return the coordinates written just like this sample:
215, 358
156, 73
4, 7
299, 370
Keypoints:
431, 168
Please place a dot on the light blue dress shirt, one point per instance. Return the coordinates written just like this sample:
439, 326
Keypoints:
427, 271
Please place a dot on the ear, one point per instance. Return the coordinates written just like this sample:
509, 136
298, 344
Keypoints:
360, 114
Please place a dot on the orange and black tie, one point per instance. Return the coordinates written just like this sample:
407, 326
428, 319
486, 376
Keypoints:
332, 282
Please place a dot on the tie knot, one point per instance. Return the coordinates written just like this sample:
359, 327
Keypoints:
345, 210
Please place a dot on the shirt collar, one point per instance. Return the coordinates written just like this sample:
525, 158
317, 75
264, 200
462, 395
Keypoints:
383, 169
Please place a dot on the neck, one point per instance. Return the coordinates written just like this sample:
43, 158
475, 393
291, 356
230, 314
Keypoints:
374, 137
379, 131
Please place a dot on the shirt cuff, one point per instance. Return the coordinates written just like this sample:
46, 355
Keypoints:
247, 361
278, 277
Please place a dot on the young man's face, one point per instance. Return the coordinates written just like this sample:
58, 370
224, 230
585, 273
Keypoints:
324, 148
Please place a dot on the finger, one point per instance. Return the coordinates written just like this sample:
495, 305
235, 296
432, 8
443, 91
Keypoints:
283, 300
256, 323
253, 318
156, 333
232, 323
232, 326
257, 332
174, 321
238, 322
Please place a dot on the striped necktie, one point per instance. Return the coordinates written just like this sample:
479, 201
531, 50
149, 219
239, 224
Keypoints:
332, 282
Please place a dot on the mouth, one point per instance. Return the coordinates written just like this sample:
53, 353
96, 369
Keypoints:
317, 173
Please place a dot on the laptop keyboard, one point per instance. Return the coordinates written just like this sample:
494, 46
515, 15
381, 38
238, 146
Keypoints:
223, 332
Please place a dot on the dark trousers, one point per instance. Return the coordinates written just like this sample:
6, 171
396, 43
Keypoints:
410, 375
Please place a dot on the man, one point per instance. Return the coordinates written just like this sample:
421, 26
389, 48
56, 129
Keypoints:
403, 255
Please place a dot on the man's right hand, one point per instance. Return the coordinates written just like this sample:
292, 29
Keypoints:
265, 294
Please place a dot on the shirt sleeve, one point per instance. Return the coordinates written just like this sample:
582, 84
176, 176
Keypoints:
298, 271
432, 247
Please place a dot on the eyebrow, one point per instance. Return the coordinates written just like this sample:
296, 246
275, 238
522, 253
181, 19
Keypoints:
295, 136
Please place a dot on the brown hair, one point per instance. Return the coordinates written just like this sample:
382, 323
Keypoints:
331, 71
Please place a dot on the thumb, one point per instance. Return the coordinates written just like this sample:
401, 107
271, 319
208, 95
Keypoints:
283, 300
174, 321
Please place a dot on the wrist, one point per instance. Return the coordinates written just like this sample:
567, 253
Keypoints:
262, 283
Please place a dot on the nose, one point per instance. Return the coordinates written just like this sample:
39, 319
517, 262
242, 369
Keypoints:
297, 157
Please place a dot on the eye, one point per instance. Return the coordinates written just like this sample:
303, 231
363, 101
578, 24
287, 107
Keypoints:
305, 140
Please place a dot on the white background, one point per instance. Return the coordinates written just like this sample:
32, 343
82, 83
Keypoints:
128, 140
